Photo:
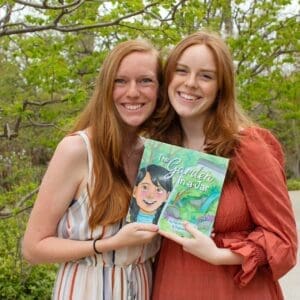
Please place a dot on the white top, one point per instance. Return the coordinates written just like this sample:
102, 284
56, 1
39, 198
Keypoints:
122, 274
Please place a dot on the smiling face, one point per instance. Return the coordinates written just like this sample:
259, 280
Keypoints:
136, 88
194, 85
148, 196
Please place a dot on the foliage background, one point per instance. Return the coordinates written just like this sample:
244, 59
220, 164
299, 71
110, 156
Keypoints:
51, 52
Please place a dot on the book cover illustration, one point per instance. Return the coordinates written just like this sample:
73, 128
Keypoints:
176, 184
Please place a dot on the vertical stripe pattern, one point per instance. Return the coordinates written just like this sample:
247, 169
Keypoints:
121, 274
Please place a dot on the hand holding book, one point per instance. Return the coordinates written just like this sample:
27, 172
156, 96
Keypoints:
203, 247
176, 184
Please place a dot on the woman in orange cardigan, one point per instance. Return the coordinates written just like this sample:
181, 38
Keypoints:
254, 241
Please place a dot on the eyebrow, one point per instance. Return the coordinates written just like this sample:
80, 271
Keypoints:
143, 182
202, 70
142, 75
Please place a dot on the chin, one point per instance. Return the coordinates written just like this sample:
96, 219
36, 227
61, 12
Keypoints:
133, 123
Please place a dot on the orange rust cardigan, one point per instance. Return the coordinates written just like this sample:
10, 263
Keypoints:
254, 219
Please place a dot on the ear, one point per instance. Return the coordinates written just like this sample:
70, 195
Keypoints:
168, 194
134, 191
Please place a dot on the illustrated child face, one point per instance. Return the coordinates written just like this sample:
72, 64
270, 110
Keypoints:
149, 197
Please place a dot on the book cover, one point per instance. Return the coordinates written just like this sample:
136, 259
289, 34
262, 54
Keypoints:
176, 184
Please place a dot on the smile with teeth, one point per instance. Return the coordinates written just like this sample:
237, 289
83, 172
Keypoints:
147, 202
133, 106
188, 97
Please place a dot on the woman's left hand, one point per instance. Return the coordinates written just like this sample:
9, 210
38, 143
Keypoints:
200, 245
204, 247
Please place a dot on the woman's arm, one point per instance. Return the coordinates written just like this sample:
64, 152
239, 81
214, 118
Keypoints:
204, 247
273, 239
64, 180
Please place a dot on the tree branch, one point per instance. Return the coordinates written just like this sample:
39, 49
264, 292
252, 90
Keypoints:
36, 124
10, 133
5, 213
10, 214
27, 197
261, 66
26, 102
25, 28
44, 5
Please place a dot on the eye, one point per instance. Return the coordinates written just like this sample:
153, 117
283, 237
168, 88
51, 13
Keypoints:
120, 81
207, 76
144, 187
146, 81
159, 190
180, 71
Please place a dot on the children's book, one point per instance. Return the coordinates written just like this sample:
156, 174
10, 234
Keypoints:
176, 184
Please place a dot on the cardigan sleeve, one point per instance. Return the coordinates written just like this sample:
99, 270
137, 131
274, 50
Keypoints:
259, 164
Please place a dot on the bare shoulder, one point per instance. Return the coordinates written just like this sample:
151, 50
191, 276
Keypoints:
72, 148
68, 166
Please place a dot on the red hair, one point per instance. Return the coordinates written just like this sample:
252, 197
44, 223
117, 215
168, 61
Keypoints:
110, 193
222, 126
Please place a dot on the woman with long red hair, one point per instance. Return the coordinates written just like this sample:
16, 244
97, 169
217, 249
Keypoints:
78, 217
254, 241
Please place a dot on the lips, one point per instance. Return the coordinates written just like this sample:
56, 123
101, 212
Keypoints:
188, 97
147, 202
133, 107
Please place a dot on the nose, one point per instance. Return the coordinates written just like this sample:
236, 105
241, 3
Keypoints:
191, 80
133, 90
151, 194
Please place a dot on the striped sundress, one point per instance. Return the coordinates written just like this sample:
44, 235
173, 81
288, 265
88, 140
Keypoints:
122, 274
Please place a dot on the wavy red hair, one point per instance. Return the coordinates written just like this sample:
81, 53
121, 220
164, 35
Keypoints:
225, 119
110, 193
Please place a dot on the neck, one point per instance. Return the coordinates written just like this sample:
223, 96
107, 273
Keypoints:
132, 144
131, 155
193, 134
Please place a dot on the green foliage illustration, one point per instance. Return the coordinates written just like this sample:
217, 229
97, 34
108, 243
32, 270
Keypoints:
197, 184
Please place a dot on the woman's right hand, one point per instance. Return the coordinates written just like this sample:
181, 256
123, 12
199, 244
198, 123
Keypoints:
134, 234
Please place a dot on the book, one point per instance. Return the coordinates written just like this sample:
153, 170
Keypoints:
176, 184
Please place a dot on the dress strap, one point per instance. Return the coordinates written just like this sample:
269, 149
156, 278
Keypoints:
89, 152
